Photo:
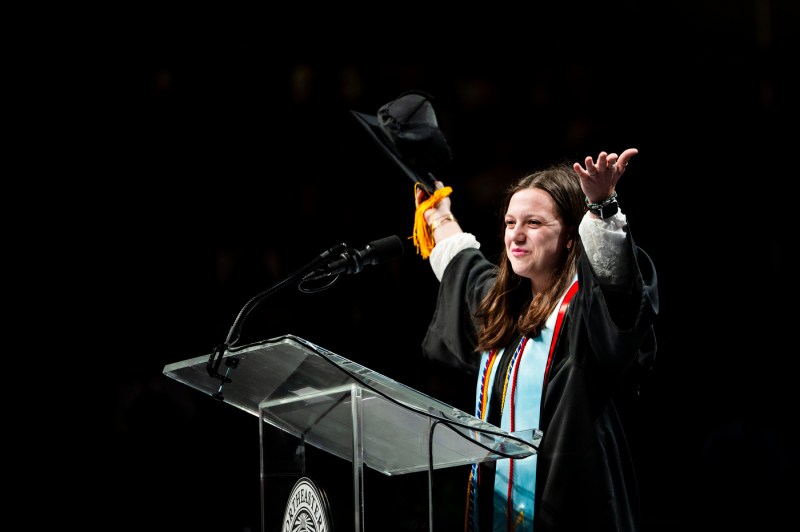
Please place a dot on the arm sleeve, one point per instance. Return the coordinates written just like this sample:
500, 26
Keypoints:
451, 338
604, 245
444, 251
620, 317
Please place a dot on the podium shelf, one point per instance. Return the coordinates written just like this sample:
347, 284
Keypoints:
308, 391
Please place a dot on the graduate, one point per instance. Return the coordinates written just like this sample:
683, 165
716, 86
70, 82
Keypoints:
556, 333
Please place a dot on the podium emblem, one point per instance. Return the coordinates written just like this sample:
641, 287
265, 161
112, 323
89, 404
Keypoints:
307, 509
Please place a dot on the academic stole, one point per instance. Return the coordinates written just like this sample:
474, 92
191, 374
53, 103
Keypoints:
505, 368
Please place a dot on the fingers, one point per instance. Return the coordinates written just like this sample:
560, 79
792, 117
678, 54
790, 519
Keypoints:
621, 163
625, 158
592, 167
421, 195
605, 161
589, 168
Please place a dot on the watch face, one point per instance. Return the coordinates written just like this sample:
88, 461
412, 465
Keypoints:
307, 508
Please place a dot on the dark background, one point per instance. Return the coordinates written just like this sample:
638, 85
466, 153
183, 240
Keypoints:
225, 157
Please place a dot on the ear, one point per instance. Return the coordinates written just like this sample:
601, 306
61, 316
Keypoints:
569, 243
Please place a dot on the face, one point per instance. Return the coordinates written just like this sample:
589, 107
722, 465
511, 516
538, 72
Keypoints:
535, 239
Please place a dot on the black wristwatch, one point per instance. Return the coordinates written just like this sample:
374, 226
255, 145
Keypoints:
606, 211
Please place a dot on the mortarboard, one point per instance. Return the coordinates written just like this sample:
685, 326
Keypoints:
408, 132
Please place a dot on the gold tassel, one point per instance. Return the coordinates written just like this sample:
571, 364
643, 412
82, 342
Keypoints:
423, 236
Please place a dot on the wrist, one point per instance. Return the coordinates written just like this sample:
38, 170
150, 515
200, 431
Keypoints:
605, 208
439, 221
433, 214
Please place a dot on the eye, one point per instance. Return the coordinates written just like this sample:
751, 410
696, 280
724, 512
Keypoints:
509, 223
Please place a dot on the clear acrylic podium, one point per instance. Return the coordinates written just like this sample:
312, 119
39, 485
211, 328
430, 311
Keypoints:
350, 411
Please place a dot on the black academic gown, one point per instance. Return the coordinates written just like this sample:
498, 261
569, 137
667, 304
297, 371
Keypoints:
585, 479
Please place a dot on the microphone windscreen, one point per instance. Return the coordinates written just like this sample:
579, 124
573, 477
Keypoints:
386, 249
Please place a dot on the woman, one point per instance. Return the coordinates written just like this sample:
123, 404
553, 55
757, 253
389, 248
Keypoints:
556, 333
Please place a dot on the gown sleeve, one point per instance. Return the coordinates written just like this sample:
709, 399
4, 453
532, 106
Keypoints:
451, 338
620, 315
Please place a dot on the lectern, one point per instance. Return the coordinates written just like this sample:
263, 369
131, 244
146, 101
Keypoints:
349, 411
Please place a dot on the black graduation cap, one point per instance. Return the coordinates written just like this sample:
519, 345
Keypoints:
407, 130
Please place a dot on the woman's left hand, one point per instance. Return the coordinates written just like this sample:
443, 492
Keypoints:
599, 179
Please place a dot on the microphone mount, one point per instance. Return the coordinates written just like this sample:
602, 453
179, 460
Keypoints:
218, 353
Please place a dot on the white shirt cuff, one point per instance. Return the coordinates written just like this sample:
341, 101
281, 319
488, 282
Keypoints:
444, 251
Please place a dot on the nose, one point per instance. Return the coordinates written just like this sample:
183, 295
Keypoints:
517, 234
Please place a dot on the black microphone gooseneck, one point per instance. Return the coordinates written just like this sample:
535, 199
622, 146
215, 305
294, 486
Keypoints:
337, 260
216, 357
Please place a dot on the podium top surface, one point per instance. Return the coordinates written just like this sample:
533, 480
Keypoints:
314, 394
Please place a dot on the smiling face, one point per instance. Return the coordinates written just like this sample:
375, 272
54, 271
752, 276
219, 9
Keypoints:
535, 239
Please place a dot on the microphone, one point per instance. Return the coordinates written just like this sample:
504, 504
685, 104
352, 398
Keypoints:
353, 261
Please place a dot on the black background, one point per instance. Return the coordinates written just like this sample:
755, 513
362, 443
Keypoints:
217, 154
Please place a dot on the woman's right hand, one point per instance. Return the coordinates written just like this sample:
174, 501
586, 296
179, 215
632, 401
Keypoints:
440, 209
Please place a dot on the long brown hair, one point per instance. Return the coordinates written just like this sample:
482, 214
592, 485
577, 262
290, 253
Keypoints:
509, 308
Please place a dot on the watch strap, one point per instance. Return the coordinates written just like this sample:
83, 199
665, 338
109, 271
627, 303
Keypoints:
606, 210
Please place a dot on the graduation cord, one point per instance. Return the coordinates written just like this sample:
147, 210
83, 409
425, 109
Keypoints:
490, 409
512, 426
562, 311
512, 523
485, 410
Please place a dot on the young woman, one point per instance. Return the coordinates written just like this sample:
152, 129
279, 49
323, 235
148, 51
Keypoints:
556, 333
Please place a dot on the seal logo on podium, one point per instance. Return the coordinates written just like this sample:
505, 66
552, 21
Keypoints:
307, 509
